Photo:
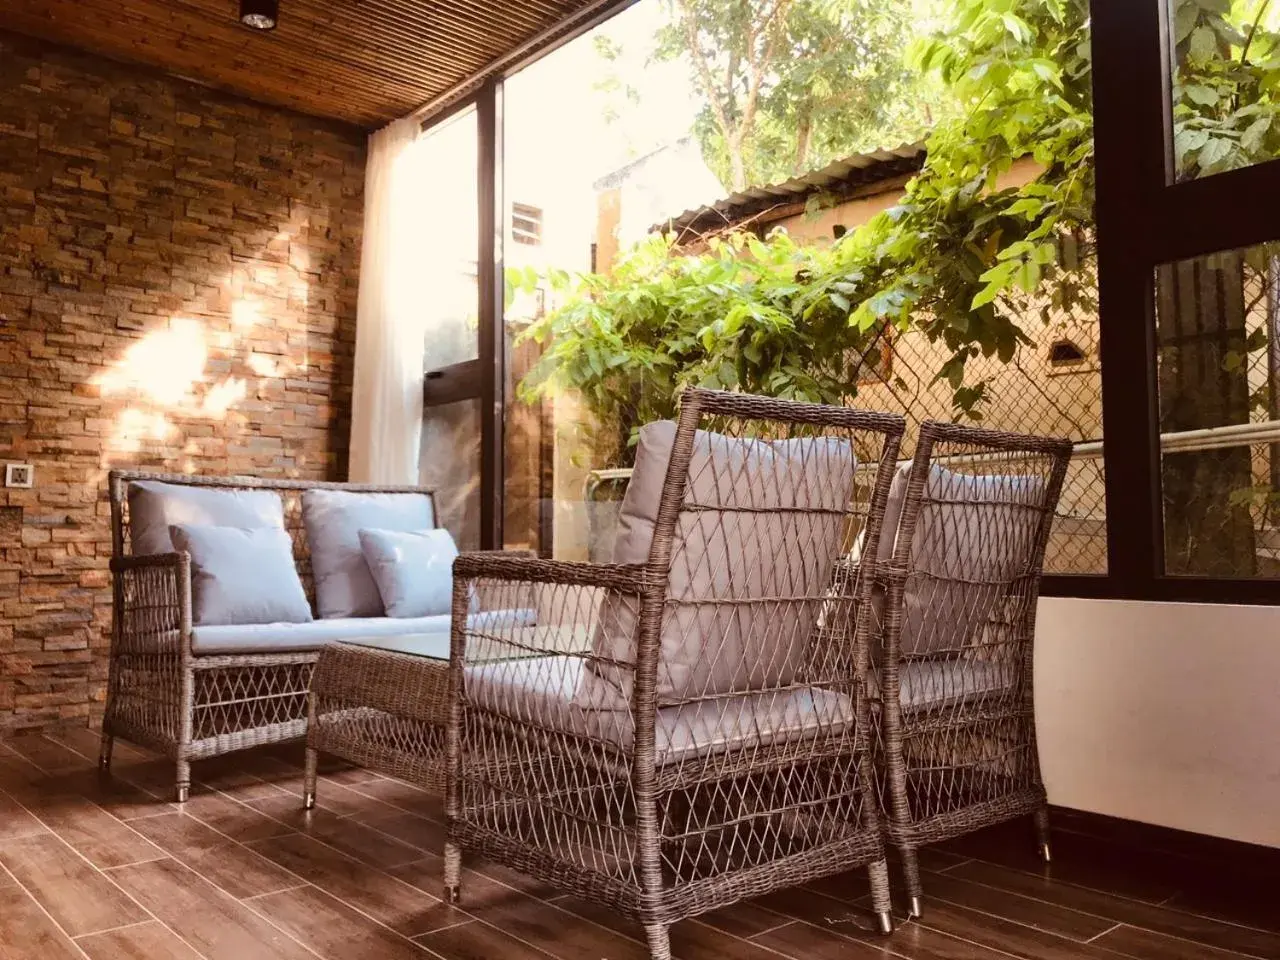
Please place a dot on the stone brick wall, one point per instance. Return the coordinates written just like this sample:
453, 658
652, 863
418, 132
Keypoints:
178, 274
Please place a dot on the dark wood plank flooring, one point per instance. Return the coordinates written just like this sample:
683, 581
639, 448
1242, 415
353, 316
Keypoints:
111, 869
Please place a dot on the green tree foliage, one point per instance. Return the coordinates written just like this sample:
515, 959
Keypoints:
963, 258
789, 85
1225, 94
744, 314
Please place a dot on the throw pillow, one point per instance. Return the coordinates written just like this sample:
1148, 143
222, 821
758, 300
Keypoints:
334, 519
240, 577
413, 571
155, 506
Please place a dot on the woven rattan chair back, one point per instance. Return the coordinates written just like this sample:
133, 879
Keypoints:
957, 719
707, 739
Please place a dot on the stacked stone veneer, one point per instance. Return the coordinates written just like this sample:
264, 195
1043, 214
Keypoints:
178, 274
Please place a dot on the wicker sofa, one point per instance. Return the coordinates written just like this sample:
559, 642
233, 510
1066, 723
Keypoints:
193, 692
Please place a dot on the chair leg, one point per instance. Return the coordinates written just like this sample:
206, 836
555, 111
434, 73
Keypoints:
182, 782
659, 938
878, 873
452, 872
911, 875
309, 779
1042, 834
104, 752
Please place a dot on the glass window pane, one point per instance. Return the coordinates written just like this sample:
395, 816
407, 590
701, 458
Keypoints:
1226, 74
445, 158
677, 210
450, 465
1219, 421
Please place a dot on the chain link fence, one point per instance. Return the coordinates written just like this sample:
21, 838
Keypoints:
1218, 365
1051, 386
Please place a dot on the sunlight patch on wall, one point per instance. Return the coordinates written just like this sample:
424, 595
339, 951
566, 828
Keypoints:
223, 396
162, 367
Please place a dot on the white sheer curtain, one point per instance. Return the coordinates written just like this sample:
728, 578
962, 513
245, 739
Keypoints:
386, 407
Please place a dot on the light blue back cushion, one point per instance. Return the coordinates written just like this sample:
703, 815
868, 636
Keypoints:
334, 518
155, 506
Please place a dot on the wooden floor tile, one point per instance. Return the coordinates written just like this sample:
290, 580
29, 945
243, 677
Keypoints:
235, 819
404, 796
96, 835
1177, 923
362, 879
1006, 936
1035, 913
1080, 860
478, 941
334, 930
26, 931
349, 836
802, 941
15, 821
225, 863
218, 926
1148, 945
77, 895
743, 919
143, 941
401, 906
49, 756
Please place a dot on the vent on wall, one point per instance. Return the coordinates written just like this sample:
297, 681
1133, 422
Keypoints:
526, 224
1064, 353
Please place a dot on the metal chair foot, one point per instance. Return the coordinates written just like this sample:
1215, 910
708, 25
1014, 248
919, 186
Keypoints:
183, 792
916, 908
452, 894
309, 800
885, 921
1045, 854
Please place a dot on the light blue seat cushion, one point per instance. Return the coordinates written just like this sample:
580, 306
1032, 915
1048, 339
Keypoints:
301, 637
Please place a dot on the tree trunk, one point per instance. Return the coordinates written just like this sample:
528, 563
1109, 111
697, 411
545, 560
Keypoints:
737, 164
804, 140
1201, 310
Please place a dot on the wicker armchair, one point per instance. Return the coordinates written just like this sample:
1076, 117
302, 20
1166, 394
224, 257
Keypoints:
690, 728
164, 695
957, 594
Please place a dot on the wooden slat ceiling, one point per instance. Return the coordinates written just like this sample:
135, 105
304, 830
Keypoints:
364, 61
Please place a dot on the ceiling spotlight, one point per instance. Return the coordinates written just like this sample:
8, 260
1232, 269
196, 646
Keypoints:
260, 14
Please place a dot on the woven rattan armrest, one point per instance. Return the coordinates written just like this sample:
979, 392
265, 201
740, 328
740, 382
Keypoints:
520, 567
126, 564
152, 603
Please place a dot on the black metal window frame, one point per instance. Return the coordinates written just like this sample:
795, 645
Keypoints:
1144, 220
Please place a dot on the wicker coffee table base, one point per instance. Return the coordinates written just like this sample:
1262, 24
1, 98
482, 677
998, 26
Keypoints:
381, 709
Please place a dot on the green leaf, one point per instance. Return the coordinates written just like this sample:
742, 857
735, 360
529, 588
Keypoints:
1205, 96
1253, 136
1204, 43
1214, 152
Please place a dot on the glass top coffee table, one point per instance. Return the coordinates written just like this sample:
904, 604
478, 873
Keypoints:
381, 703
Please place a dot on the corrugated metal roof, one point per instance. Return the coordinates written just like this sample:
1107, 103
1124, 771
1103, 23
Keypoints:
838, 177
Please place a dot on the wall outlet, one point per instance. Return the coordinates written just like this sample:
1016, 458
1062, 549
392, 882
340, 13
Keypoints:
19, 475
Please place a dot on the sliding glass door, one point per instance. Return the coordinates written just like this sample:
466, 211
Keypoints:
452, 426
